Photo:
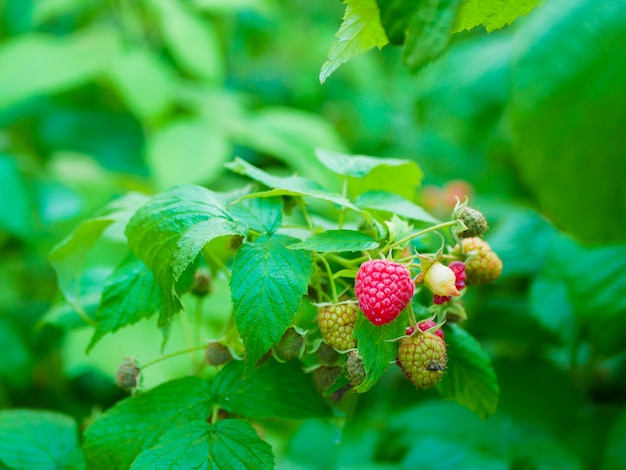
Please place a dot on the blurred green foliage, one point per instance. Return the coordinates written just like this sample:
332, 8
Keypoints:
101, 98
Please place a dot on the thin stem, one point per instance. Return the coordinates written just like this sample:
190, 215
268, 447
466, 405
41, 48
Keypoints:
197, 323
220, 264
306, 215
174, 354
344, 193
215, 414
434, 228
333, 288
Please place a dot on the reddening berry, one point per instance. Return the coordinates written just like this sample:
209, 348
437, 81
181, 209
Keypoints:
423, 359
440, 279
383, 289
427, 325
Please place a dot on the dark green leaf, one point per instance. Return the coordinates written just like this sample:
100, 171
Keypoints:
469, 379
267, 284
337, 241
389, 202
229, 444
272, 390
38, 440
492, 14
15, 216
170, 230
119, 435
376, 346
566, 122
360, 31
261, 214
16, 358
615, 452
130, 294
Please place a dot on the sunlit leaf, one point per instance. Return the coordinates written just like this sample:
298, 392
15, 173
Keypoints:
492, 14
337, 241
261, 214
395, 204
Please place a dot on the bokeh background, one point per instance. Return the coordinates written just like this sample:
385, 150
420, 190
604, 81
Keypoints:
99, 98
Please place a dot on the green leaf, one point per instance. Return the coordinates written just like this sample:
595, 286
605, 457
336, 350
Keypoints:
68, 257
36, 63
615, 452
120, 434
267, 283
39, 440
272, 390
261, 214
337, 241
469, 379
16, 358
187, 151
566, 123
229, 444
376, 347
288, 185
374, 173
492, 14
395, 204
129, 73
130, 294
360, 31
192, 40
169, 231
15, 216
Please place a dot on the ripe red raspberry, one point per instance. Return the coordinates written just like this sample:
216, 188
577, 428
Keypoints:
383, 289
336, 322
484, 265
423, 359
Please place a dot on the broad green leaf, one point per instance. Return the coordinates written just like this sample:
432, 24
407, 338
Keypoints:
16, 358
429, 31
69, 255
131, 70
272, 390
229, 444
566, 124
36, 63
121, 433
359, 32
39, 440
615, 452
187, 151
337, 241
130, 294
169, 231
374, 173
267, 283
288, 185
492, 14
377, 346
261, 214
15, 216
395, 204
191, 39
469, 379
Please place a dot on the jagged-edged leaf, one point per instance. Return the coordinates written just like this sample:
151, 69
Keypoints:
261, 214
272, 390
35, 440
120, 434
229, 444
337, 241
374, 173
469, 379
492, 14
169, 231
69, 255
130, 294
376, 347
359, 32
389, 202
267, 284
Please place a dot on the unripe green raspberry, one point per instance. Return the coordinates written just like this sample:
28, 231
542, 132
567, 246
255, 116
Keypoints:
291, 345
474, 221
423, 358
216, 354
355, 368
127, 374
336, 322
483, 265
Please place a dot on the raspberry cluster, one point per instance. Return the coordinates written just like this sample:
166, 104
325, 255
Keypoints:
458, 268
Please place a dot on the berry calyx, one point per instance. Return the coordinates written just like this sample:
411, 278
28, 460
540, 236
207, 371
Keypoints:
336, 323
423, 359
483, 265
441, 280
383, 289
426, 325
